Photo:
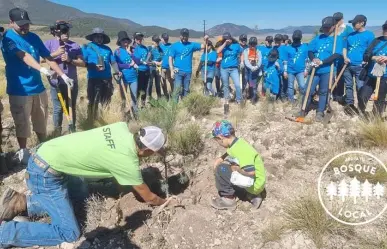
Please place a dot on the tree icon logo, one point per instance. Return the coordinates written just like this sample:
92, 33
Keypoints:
351, 188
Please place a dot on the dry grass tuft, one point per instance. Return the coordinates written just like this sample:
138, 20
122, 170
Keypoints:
199, 105
94, 208
373, 133
186, 141
273, 232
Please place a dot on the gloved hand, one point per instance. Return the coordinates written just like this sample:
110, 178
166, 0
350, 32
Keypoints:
46, 72
242, 65
255, 68
69, 82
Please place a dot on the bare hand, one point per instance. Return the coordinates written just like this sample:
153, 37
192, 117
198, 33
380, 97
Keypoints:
135, 66
305, 74
61, 50
347, 61
285, 75
317, 62
99, 68
206, 37
234, 168
65, 57
217, 162
228, 41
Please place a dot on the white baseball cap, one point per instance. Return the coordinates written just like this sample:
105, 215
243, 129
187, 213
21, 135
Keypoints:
152, 137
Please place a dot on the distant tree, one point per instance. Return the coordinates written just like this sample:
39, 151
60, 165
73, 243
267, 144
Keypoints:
256, 27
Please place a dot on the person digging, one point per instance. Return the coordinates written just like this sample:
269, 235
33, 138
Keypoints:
110, 151
239, 172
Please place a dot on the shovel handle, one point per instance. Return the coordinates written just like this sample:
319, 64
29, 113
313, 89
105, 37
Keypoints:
311, 77
377, 88
339, 77
70, 107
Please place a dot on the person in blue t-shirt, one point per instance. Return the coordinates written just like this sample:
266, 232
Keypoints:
1, 107
231, 51
142, 55
128, 68
297, 54
99, 59
265, 50
273, 69
356, 44
322, 56
242, 69
375, 53
282, 50
253, 62
156, 58
165, 45
217, 69
28, 98
208, 75
180, 63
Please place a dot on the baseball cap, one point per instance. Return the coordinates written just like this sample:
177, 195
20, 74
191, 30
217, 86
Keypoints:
338, 16
156, 38
138, 35
297, 34
269, 38
165, 36
278, 37
226, 36
184, 32
358, 18
19, 16
152, 137
285, 37
328, 22
222, 128
243, 37
253, 41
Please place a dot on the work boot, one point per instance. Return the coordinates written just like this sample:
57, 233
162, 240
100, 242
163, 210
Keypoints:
223, 203
256, 201
319, 117
12, 204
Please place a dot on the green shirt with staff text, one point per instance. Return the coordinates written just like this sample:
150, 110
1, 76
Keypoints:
103, 152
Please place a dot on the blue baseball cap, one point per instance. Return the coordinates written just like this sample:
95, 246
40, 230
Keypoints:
222, 128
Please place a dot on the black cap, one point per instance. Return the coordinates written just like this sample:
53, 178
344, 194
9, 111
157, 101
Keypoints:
253, 41
285, 37
297, 35
338, 16
19, 16
328, 22
384, 27
269, 38
138, 35
358, 18
278, 37
227, 36
156, 38
184, 32
165, 36
243, 37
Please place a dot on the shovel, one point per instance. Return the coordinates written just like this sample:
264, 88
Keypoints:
339, 77
70, 114
205, 69
378, 71
128, 107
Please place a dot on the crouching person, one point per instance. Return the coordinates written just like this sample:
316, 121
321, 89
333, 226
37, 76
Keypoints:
243, 177
105, 152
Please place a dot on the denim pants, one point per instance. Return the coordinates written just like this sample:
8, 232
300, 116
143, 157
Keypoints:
143, 81
366, 92
217, 80
301, 84
349, 72
226, 73
322, 80
49, 195
182, 84
57, 107
253, 79
133, 94
283, 87
208, 82
156, 78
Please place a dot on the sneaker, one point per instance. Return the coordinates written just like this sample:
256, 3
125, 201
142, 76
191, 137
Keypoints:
222, 203
12, 204
320, 117
256, 202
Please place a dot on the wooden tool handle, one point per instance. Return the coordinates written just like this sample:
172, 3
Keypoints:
308, 89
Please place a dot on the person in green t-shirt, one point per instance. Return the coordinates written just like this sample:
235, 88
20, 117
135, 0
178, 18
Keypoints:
107, 152
239, 172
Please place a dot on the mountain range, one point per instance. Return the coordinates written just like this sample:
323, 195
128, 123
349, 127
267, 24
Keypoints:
45, 13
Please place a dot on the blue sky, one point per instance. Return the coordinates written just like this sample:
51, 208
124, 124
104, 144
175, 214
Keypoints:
175, 14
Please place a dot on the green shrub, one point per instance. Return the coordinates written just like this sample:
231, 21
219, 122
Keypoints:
199, 105
187, 141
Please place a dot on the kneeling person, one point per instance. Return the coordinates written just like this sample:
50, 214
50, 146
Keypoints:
246, 163
105, 152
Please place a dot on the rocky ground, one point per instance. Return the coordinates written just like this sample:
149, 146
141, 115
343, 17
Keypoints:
294, 155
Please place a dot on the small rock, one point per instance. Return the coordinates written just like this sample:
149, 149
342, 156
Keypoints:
176, 246
217, 242
193, 118
66, 245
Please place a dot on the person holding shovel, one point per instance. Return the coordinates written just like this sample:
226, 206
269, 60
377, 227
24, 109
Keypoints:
209, 72
322, 55
68, 55
110, 151
253, 61
376, 59
128, 68
355, 45
99, 59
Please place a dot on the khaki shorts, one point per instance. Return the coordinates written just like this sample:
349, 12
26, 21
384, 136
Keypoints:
25, 109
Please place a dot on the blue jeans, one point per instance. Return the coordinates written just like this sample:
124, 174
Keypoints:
301, 84
182, 84
50, 195
322, 80
226, 73
253, 79
349, 72
283, 87
217, 80
133, 94
57, 107
208, 82
156, 77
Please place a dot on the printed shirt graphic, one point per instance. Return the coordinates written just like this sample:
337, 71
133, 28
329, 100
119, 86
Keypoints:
182, 55
297, 56
104, 152
22, 80
91, 57
141, 53
356, 44
382, 52
264, 52
165, 61
123, 57
282, 50
322, 48
211, 60
157, 54
231, 55
272, 76
248, 156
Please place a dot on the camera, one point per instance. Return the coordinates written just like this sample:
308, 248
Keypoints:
60, 27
